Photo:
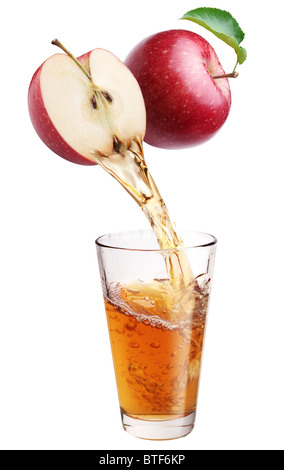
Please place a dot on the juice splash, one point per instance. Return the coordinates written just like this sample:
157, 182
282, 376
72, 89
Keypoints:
129, 168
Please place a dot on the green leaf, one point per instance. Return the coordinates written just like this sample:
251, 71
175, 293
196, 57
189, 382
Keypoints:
222, 24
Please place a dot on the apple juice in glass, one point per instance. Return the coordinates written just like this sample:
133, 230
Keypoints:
156, 327
156, 284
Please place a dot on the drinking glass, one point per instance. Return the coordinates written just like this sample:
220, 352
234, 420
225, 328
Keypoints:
156, 323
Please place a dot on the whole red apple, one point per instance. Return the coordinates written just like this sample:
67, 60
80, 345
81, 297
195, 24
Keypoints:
185, 104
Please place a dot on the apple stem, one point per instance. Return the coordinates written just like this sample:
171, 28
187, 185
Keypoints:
227, 75
57, 43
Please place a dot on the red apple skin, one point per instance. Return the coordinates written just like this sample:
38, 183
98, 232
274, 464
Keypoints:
185, 106
44, 126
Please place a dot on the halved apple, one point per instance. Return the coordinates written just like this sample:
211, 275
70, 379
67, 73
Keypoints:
81, 113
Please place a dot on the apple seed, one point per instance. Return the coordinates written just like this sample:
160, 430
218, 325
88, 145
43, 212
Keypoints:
116, 144
107, 96
94, 102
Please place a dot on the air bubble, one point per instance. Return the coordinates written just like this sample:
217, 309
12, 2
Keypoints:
131, 325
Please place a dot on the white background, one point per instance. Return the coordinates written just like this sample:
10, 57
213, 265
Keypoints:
57, 386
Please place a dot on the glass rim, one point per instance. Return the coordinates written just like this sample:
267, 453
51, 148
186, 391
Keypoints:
101, 241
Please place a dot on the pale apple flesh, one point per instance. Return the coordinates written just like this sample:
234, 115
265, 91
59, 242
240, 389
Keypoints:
79, 118
185, 105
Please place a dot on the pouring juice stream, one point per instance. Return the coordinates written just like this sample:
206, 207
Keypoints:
130, 170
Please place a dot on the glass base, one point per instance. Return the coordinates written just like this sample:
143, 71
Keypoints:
158, 429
